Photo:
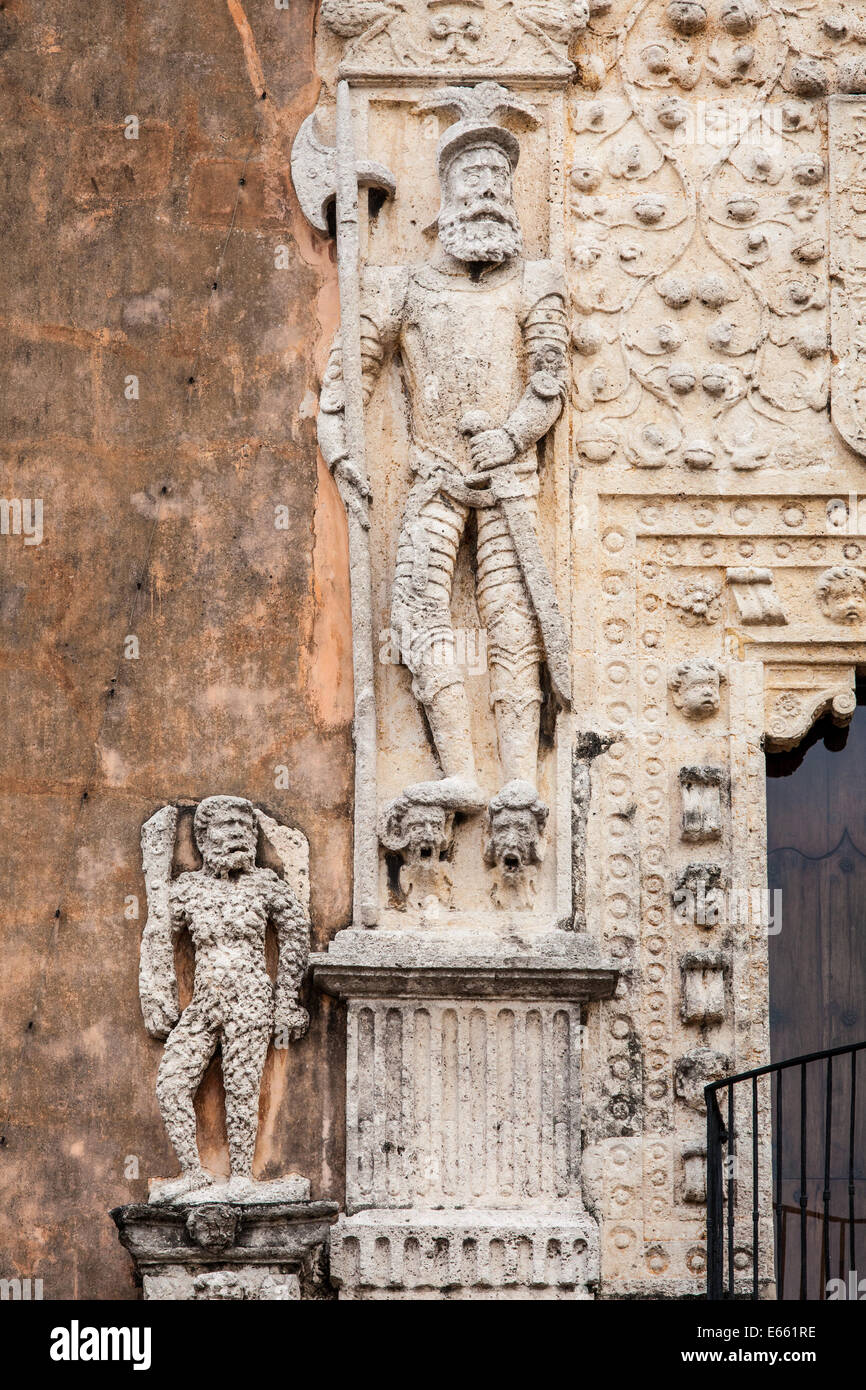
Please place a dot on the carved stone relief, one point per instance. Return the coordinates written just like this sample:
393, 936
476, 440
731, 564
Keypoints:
663, 549
703, 987
701, 790
694, 1182
696, 687
227, 906
474, 475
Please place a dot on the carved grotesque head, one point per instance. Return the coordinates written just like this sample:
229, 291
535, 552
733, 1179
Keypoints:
420, 832
478, 220
226, 833
213, 1225
515, 824
696, 687
842, 594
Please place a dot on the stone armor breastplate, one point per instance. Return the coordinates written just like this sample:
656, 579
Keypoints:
462, 349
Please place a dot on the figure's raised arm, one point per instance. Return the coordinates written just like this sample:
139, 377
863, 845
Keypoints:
157, 979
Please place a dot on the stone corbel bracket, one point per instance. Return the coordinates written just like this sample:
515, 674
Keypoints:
795, 697
215, 1251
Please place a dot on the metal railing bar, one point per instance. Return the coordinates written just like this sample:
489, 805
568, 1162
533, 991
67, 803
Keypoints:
851, 1127
732, 1204
755, 1186
781, 1066
828, 1127
819, 1216
779, 1132
803, 1198
732, 1159
715, 1139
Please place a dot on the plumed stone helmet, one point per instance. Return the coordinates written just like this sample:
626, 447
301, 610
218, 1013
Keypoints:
477, 107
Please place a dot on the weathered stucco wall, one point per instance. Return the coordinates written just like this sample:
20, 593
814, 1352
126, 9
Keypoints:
157, 258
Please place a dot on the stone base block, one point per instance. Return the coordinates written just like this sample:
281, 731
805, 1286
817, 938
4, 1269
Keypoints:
245, 1192
207, 1251
263, 1284
464, 1254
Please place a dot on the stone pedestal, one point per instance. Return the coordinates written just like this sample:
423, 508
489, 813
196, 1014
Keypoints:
232, 1251
463, 1114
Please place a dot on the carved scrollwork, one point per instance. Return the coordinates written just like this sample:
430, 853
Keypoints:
394, 39
797, 697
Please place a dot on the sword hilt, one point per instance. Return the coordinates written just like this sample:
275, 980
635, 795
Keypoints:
476, 422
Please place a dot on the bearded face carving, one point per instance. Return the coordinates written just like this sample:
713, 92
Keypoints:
515, 847
227, 834
421, 833
478, 220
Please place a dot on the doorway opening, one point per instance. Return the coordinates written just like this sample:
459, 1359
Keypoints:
816, 857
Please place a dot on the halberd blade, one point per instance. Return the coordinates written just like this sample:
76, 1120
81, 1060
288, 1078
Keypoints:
314, 174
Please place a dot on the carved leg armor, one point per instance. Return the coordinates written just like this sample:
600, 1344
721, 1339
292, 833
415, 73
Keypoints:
514, 649
190, 1046
421, 617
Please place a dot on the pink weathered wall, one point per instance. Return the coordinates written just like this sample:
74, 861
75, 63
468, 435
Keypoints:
156, 258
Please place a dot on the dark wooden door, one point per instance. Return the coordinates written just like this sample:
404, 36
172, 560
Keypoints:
816, 833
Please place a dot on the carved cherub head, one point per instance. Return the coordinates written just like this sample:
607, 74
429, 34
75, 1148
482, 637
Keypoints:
226, 832
696, 687
516, 818
842, 594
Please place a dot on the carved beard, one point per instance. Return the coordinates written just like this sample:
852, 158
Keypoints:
480, 231
231, 861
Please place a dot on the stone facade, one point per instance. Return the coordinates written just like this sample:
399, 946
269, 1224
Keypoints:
693, 508
584, 538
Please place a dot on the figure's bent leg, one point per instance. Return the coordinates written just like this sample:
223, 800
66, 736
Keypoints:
189, 1048
514, 650
244, 1048
421, 618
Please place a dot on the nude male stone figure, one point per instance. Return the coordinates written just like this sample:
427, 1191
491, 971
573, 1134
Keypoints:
227, 906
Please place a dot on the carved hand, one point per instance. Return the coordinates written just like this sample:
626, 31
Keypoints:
490, 449
354, 490
160, 1015
290, 1015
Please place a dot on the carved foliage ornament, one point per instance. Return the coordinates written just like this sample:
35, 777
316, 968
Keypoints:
387, 38
721, 137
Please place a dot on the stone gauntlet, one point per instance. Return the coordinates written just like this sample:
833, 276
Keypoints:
537, 411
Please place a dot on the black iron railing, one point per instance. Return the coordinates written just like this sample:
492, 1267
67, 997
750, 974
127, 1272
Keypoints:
780, 1134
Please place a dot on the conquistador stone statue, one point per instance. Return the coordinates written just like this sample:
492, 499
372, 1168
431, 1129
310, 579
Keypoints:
480, 336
